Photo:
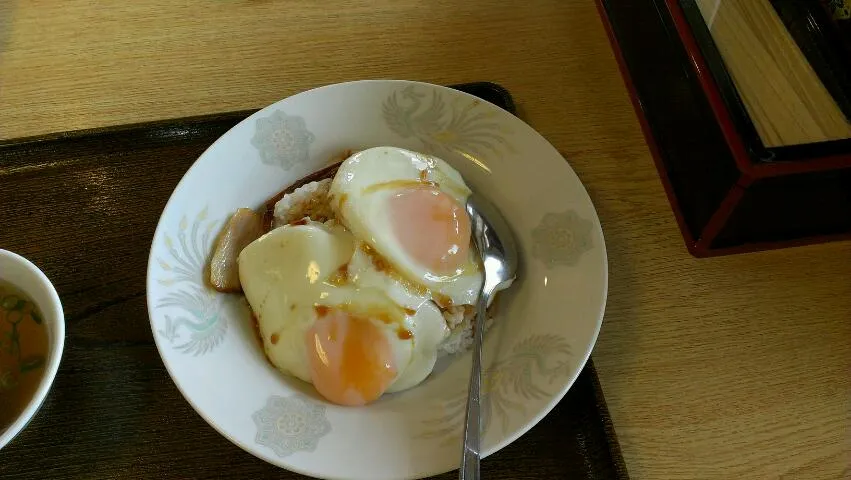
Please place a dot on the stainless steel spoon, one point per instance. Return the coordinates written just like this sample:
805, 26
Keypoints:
495, 243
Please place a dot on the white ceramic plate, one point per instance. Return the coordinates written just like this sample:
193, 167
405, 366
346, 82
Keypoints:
545, 327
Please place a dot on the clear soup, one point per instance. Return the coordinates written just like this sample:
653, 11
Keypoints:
23, 352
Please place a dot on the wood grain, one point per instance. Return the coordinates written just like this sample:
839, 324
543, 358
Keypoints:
732, 367
784, 97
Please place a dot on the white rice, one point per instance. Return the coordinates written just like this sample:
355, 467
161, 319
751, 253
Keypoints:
459, 319
309, 200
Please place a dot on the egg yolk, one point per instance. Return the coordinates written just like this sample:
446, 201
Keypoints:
351, 361
431, 227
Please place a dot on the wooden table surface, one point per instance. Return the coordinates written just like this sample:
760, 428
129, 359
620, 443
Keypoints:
733, 367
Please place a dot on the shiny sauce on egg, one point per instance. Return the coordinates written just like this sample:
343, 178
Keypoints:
382, 265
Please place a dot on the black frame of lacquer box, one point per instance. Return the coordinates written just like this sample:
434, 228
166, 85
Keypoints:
728, 191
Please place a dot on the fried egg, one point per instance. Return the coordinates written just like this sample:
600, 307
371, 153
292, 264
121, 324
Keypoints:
408, 208
430, 329
327, 317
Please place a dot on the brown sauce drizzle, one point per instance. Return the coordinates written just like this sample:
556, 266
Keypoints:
405, 334
382, 265
399, 184
340, 276
274, 338
442, 301
379, 262
303, 221
410, 311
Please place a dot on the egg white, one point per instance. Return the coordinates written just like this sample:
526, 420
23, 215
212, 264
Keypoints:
359, 192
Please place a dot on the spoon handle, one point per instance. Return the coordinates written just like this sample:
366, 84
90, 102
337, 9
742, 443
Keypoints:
473, 427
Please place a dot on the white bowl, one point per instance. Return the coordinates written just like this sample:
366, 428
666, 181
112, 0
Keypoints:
26, 277
546, 323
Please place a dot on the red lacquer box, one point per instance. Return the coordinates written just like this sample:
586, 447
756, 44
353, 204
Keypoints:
742, 168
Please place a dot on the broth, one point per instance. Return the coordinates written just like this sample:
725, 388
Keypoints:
23, 352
